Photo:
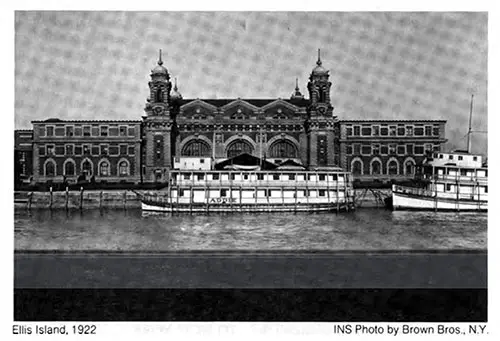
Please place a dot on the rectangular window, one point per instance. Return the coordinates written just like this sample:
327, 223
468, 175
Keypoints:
69, 149
181, 192
215, 176
485, 189
357, 130
419, 131
41, 131
428, 148
223, 193
114, 150
348, 149
384, 150
376, 130
392, 149
187, 176
260, 176
69, 131
104, 130
436, 148
428, 130
86, 130
86, 149
409, 149
435, 130
463, 172
401, 150
409, 130
95, 150
123, 149
321, 192
123, 131
440, 156
131, 131
78, 131
474, 158
349, 131
460, 158
392, 130
366, 150
59, 150
357, 149
131, 150
322, 177
448, 187
419, 149
291, 176
202, 160
366, 131
50, 149
376, 149
450, 157
113, 131
50, 131
78, 150
200, 176
95, 130
59, 131
401, 130
41, 150
384, 131
276, 176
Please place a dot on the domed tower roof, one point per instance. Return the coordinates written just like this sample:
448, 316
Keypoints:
319, 69
159, 69
176, 95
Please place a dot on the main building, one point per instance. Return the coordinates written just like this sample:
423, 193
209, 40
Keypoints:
199, 133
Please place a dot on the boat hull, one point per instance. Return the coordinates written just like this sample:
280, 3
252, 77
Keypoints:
409, 201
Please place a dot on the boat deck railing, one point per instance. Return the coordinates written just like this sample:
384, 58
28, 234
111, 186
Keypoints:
261, 183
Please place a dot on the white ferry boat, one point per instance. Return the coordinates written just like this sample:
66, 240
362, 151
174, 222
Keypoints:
232, 190
455, 181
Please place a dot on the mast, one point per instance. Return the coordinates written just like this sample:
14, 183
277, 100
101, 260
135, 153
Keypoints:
469, 147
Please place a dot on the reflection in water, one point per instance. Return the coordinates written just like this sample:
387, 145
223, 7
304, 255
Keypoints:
371, 229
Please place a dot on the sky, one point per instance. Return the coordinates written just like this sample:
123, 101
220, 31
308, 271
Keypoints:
383, 65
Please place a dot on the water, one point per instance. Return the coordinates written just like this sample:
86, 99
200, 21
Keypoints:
365, 229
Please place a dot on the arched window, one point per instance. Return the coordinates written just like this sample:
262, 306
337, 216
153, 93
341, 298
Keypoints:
159, 95
87, 168
283, 149
69, 168
123, 169
104, 168
392, 167
376, 167
357, 167
196, 148
409, 167
239, 147
50, 168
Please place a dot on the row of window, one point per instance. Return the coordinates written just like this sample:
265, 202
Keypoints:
392, 130
390, 149
195, 127
260, 176
86, 149
50, 168
452, 157
86, 130
392, 167
224, 193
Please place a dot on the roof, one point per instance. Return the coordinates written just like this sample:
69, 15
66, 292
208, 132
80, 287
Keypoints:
389, 121
299, 102
57, 120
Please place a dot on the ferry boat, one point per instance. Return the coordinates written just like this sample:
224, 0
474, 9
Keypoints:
451, 181
233, 190
455, 181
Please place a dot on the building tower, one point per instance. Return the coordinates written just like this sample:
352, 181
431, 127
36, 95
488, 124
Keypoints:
157, 127
320, 123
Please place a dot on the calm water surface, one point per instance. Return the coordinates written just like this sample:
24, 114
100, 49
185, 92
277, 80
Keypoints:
371, 229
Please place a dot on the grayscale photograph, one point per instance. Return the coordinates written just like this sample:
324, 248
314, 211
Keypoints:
250, 149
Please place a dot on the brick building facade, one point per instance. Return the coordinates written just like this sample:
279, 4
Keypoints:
174, 129
23, 156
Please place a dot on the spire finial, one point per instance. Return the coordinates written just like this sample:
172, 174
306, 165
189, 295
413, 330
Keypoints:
297, 83
175, 84
319, 58
160, 62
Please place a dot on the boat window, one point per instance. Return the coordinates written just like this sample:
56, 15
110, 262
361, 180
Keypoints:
245, 177
463, 172
201, 176
232, 176
448, 187
215, 176
450, 157
187, 176
291, 176
260, 176
276, 176
334, 177
322, 177
268, 192
474, 158
485, 189
223, 193
181, 192
440, 156
321, 192
460, 157
202, 160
